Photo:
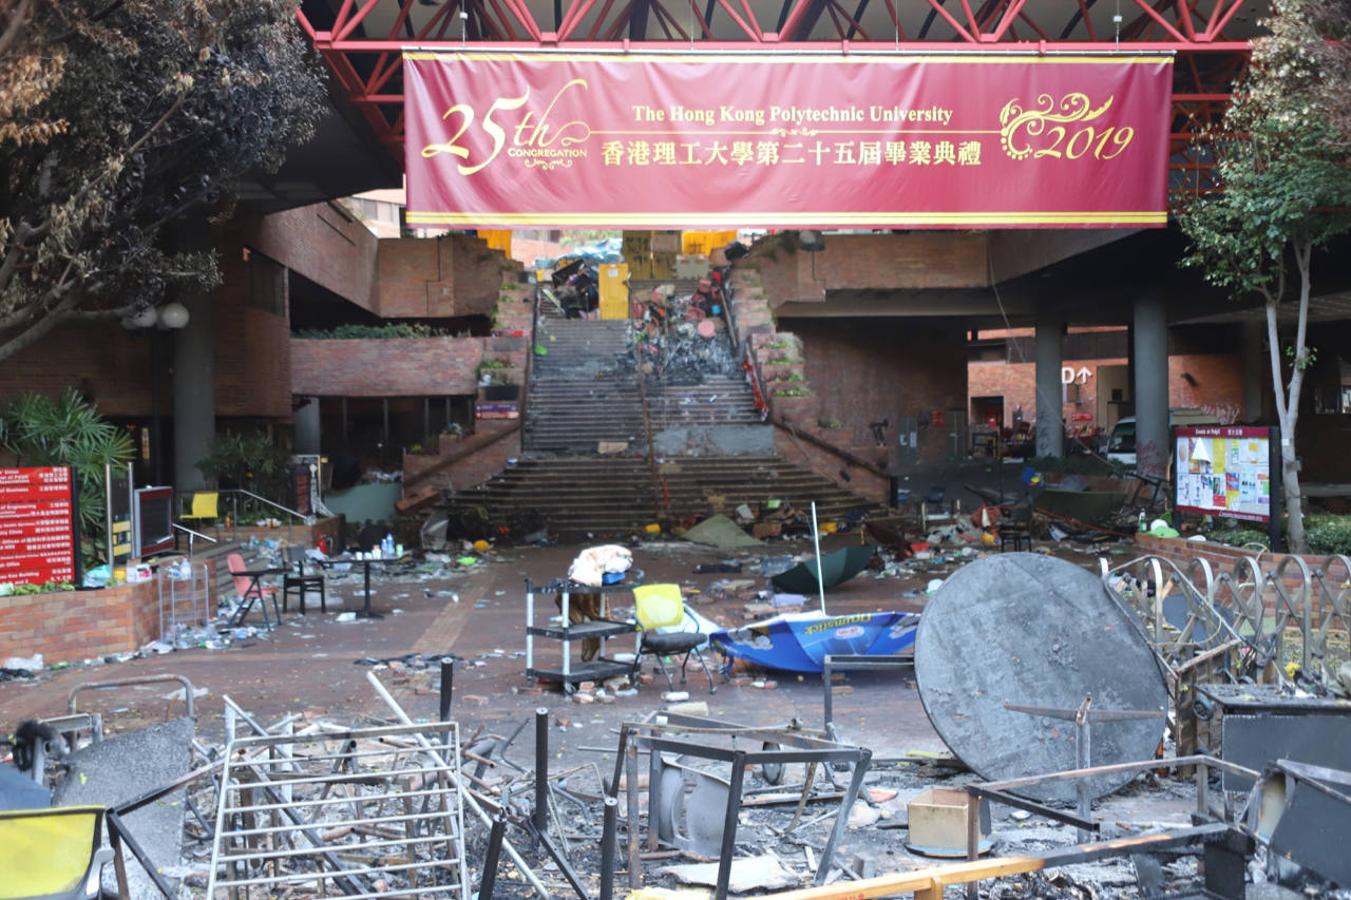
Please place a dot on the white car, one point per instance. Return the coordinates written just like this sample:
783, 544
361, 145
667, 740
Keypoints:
1121, 442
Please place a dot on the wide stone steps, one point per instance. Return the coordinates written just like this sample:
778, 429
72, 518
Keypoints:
584, 391
580, 496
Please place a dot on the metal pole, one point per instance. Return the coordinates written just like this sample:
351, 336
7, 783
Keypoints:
631, 784
816, 543
447, 688
973, 803
827, 699
608, 837
541, 815
489, 880
728, 849
1083, 759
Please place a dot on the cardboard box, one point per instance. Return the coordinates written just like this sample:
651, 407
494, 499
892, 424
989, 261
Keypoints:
938, 819
666, 242
762, 530
691, 267
663, 266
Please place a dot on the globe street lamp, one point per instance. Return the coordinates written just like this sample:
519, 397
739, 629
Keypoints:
153, 321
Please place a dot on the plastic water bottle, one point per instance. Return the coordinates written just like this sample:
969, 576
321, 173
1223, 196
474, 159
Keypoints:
1143, 525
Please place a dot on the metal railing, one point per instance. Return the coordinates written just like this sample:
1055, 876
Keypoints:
1255, 608
258, 501
743, 352
193, 535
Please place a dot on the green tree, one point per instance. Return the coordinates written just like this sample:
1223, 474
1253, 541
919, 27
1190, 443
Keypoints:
38, 430
1284, 169
119, 117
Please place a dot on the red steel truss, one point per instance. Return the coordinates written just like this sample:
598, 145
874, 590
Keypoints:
362, 40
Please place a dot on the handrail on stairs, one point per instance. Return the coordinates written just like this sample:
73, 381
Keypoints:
236, 492
855, 461
193, 535
451, 459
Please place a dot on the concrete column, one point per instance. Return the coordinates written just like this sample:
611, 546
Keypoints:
306, 419
1050, 393
1150, 347
1256, 370
194, 381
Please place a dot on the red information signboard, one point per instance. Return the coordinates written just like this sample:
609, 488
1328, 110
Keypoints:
645, 140
37, 525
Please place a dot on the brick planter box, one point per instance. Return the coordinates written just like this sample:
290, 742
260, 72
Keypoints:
69, 626
1225, 560
1220, 556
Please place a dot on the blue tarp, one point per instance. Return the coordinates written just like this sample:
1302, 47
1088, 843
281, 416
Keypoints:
799, 642
609, 250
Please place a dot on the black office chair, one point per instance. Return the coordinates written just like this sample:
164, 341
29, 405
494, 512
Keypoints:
299, 580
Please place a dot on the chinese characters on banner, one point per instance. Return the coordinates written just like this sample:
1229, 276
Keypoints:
37, 525
502, 139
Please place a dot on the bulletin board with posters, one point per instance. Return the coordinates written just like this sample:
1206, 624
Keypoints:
1227, 470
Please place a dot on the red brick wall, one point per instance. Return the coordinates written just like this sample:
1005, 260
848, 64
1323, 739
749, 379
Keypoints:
72, 626
452, 275
828, 465
101, 359
385, 368
1224, 559
252, 345
1216, 382
867, 370
872, 261
322, 242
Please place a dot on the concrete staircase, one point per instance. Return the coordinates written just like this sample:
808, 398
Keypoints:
584, 391
585, 497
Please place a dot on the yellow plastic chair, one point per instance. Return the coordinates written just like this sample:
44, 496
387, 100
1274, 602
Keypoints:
52, 854
205, 506
662, 606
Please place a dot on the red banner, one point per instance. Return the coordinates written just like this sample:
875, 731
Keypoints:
501, 140
37, 525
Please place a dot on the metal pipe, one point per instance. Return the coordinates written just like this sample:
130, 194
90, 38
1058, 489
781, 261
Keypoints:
447, 689
816, 545
128, 682
842, 817
728, 848
631, 785
116, 827
541, 813
608, 836
495, 836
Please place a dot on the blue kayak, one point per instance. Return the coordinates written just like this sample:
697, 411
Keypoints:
799, 642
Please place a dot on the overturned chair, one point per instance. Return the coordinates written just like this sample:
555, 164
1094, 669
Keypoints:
661, 606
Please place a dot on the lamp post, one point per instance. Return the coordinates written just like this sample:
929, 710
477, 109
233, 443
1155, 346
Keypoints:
153, 320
